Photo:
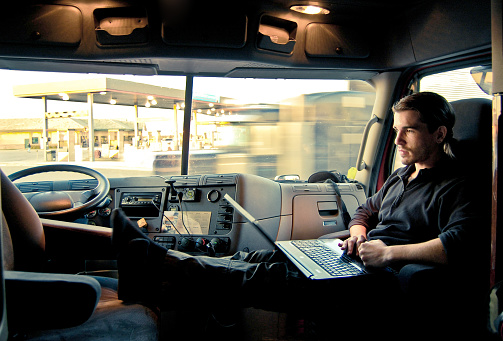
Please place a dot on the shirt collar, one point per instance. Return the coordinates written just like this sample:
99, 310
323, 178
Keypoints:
440, 168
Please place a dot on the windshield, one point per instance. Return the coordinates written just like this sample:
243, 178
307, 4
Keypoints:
135, 125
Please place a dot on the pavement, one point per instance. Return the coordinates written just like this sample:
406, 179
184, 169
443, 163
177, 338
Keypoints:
14, 160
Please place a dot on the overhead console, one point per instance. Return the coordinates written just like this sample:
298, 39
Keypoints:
230, 38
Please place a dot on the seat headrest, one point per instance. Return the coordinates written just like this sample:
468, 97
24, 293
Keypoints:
473, 131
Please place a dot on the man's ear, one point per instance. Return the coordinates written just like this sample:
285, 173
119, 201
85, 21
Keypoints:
441, 133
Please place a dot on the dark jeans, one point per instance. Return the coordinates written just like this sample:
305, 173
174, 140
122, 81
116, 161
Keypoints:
265, 279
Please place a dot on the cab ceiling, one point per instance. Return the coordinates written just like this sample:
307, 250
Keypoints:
358, 39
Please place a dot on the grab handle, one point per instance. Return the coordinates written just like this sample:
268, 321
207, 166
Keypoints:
360, 164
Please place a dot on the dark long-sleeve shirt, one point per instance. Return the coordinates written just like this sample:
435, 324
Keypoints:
439, 202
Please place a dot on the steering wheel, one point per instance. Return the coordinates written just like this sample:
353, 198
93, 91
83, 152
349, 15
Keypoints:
56, 203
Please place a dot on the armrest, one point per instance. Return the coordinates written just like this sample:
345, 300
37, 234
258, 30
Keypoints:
37, 301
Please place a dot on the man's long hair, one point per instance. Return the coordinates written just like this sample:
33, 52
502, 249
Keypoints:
434, 111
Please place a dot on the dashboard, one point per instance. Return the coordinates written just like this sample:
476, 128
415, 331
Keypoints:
190, 213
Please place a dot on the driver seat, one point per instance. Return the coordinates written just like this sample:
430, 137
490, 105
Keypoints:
48, 306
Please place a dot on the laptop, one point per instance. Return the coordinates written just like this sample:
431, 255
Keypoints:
317, 259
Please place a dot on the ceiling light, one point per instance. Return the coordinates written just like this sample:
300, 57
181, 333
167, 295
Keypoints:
150, 97
113, 101
310, 9
147, 105
153, 102
103, 93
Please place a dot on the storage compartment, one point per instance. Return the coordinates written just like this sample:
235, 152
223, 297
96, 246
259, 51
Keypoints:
203, 24
42, 25
121, 26
326, 40
315, 215
276, 34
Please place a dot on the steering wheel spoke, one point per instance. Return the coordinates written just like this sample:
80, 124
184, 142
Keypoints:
85, 196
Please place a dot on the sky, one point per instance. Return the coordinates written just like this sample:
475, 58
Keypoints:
243, 90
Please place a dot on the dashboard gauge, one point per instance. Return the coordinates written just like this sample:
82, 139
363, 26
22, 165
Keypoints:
213, 195
104, 212
91, 214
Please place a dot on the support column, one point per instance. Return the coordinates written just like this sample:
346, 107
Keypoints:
176, 144
45, 132
187, 113
497, 90
136, 139
90, 104
71, 144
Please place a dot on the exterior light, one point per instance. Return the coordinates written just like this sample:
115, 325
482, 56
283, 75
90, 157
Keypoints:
150, 97
113, 101
64, 96
153, 102
147, 105
103, 93
310, 10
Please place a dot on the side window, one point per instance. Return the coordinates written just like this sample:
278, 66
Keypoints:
272, 127
453, 85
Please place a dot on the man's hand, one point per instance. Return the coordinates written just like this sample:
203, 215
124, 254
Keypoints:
377, 254
374, 253
352, 244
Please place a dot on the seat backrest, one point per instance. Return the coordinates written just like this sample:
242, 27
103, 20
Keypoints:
23, 234
473, 130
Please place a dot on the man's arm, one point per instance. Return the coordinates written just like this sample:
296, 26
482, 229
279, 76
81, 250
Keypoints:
377, 254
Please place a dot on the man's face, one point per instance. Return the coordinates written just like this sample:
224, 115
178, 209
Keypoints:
416, 145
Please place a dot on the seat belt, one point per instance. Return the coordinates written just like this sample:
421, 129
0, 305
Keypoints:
346, 218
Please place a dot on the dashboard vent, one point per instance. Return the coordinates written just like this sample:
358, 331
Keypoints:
79, 185
224, 179
185, 180
27, 187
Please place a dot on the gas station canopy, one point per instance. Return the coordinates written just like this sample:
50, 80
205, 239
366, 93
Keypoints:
113, 91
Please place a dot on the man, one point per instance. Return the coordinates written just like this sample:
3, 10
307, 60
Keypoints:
424, 214
436, 212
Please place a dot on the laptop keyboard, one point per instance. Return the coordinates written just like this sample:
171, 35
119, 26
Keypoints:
326, 258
